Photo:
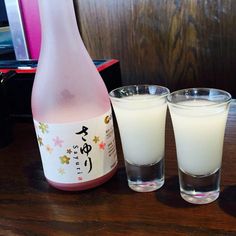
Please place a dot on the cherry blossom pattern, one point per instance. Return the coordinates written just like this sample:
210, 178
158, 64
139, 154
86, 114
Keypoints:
40, 141
61, 171
102, 145
43, 127
58, 142
96, 139
69, 151
49, 149
65, 159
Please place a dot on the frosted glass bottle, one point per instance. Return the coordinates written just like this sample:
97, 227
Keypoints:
70, 105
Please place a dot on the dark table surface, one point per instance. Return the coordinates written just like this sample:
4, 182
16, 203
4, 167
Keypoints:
29, 206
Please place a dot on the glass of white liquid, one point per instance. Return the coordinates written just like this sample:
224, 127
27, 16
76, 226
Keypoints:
199, 118
141, 115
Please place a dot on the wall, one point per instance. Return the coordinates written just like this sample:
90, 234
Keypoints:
175, 43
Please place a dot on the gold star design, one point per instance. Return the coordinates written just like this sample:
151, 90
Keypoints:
49, 149
96, 139
43, 127
65, 159
40, 141
61, 171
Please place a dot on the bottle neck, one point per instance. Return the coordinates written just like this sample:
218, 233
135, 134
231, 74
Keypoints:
58, 24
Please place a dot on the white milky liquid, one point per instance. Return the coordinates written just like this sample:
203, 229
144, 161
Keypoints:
141, 121
199, 136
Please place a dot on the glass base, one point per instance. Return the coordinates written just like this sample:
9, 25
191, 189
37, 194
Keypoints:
200, 198
145, 178
199, 189
145, 186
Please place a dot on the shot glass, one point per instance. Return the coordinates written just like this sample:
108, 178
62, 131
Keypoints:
141, 115
199, 118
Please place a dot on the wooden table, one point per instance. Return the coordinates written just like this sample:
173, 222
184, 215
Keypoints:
29, 206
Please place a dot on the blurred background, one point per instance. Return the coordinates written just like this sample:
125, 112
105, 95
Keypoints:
174, 43
6, 45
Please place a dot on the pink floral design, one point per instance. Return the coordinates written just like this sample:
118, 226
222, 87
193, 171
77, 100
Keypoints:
102, 145
58, 142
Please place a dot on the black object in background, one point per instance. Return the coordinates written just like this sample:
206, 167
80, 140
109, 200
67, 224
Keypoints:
5, 120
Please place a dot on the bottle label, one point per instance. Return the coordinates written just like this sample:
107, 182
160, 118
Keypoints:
77, 152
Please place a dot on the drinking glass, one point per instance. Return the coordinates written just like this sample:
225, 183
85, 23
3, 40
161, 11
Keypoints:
141, 114
199, 118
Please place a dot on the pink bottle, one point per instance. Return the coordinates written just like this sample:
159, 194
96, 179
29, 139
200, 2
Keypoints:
70, 105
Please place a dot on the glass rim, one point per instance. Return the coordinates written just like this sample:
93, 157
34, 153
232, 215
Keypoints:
219, 103
165, 93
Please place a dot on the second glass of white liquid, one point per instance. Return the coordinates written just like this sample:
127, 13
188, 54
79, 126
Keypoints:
141, 115
199, 117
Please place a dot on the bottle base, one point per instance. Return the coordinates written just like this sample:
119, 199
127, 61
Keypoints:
85, 185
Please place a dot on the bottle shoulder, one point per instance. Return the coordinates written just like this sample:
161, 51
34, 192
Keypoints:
62, 94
